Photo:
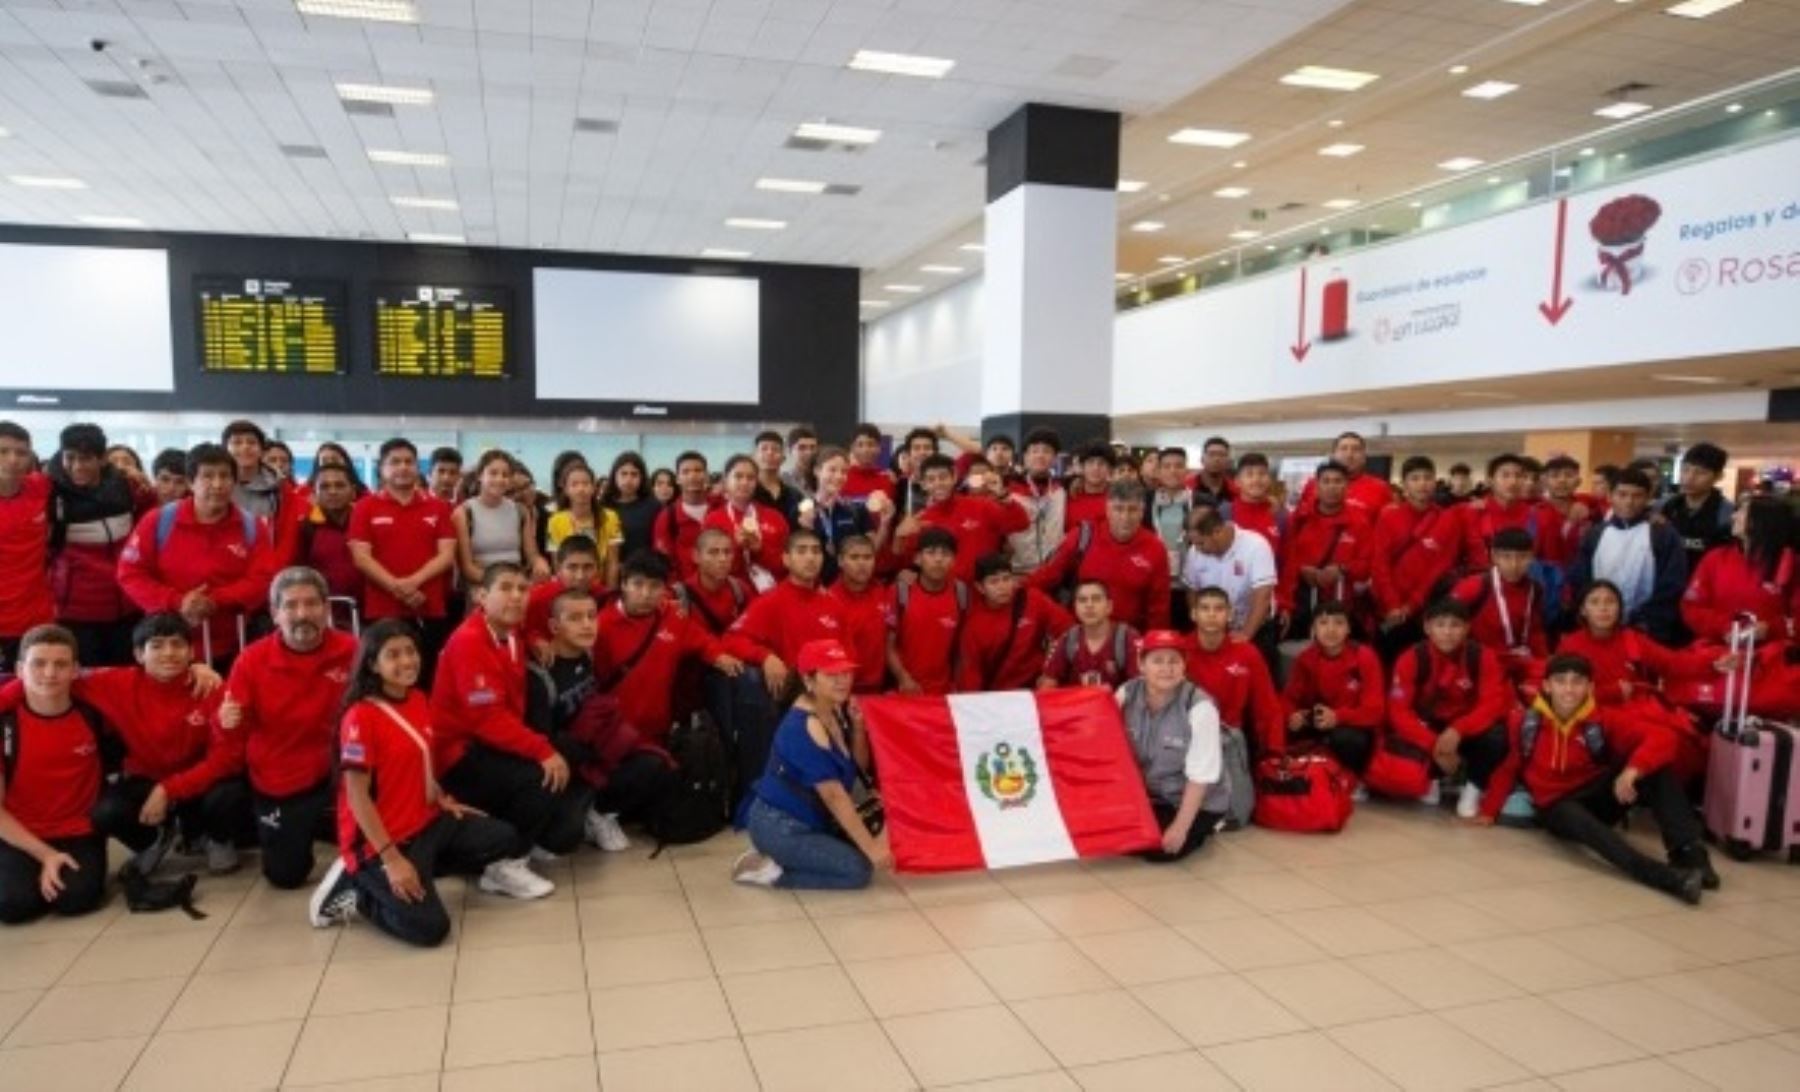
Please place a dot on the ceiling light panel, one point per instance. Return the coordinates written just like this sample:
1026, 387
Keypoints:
1329, 79
379, 11
836, 134
46, 182
942, 270
1232, 191
1461, 163
392, 96
1146, 227
1245, 235
1208, 138
392, 158
437, 204
790, 185
723, 252
1700, 9
901, 64
905, 289
435, 237
1340, 151
754, 223
1491, 89
1619, 111
1131, 185
1342, 203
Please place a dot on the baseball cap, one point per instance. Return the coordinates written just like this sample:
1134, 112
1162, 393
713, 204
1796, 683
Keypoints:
1159, 639
825, 656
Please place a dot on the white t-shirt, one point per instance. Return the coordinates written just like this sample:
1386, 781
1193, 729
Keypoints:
1247, 564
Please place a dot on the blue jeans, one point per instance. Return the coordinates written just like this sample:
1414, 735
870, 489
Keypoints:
808, 858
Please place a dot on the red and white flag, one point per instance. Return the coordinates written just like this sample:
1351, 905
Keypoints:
1003, 779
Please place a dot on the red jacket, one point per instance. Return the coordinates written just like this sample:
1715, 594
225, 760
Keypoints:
674, 532
1236, 678
1413, 549
164, 727
1631, 656
719, 608
989, 660
980, 525
236, 573
1450, 698
1084, 507
647, 692
537, 607
1083, 666
323, 545
782, 620
25, 558
55, 776
1726, 584
1561, 759
1314, 539
91, 524
1524, 609
1559, 537
1366, 493
861, 481
291, 702
1262, 516
864, 615
769, 523
1349, 684
1135, 572
478, 696
1492, 517
925, 631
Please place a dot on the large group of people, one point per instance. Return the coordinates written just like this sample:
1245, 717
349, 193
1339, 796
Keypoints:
449, 671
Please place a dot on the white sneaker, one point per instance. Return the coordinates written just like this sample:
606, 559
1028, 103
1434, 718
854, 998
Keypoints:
334, 900
514, 879
541, 856
221, 858
1468, 804
1360, 794
1433, 796
755, 869
147, 860
603, 830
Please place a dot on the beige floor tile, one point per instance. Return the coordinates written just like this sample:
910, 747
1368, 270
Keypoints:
38, 966
14, 1004
717, 1066
243, 947
129, 958
924, 983
548, 1075
800, 997
769, 946
662, 957
82, 929
1651, 1020
113, 1010
490, 974
519, 1029
1060, 878
1277, 892
966, 1045
1344, 931
1533, 908
1086, 1028
1295, 1063
1041, 969
1700, 934
1779, 918
229, 998
735, 904
1759, 1006
70, 1067
1085, 913
1648, 1075
597, 875
495, 922
816, 1059
408, 1082
1433, 978
1147, 955
1540, 1036
1361, 882
418, 981
988, 924
883, 894
1187, 1071
950, 887
880, 936
634, 914
660, 1013
1189, 903
1054, 1081
1625, 952
1244, 944
1780, 970
1326, 994
1532, 963
1422, 1053
361, 1046
1220, 1008
1754, 1065
1441, 919
247, 1057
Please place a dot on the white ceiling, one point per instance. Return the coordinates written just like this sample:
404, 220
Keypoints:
704, 94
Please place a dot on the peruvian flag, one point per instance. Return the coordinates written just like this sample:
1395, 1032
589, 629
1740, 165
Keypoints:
996, 780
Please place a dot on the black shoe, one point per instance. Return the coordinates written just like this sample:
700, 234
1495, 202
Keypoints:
1696, 857
1689, 882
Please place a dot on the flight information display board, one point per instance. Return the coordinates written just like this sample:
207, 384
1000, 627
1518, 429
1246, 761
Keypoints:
447, 331
271, 325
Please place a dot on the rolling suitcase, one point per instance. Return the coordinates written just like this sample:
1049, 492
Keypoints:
1752, 800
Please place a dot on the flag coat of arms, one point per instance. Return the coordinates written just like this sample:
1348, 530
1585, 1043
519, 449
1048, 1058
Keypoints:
996, 780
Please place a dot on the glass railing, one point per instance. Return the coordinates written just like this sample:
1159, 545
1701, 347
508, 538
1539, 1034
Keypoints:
1755, 113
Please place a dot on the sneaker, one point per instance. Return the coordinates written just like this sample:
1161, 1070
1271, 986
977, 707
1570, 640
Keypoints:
146, 860
1689, 883
754, 869
1518, 811
1696, 857
604, 831
1433, 796
1468, 802
1360, 794
514, 879
334, 900
541, 856
221, 858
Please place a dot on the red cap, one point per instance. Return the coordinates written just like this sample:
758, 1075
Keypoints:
825, 656
1159, 639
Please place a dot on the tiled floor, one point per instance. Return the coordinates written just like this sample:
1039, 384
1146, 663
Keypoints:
1409, 952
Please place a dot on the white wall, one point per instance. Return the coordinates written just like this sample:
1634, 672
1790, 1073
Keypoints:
922, 365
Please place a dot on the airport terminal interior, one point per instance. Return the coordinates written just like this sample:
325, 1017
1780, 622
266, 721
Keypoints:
1022, 545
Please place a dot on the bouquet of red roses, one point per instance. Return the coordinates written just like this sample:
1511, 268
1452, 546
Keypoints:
1624, 220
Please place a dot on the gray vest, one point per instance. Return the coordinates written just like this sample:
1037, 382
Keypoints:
1160, 743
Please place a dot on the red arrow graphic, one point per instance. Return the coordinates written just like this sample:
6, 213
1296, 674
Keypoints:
1301, 346
1558, 305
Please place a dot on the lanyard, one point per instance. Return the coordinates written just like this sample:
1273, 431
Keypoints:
1506, 613
431, 785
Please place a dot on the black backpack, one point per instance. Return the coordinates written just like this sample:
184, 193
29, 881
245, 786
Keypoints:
109, 747
695, 809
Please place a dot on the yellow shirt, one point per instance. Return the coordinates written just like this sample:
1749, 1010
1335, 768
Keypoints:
562, 525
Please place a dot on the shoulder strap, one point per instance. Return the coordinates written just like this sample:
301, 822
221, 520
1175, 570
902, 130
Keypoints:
961, 591
249, 519
1595, 738
1528, 733
1072, 643
738, 595
165, 523
1421, 668
1120, 647
617, 674
902, 593
9, 744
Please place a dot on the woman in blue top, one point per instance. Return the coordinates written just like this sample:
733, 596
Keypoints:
802, 821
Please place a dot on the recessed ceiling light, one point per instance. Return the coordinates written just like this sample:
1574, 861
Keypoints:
1459, 69
46, 182
1461, 163
753, 223
973, 248
942, 270
1335, 123
1416, 205
725, 253
1329, 79
1269, 246
1147, 226
1340, 151
1493, 180
1232, 191
1492, 89
1131, 185
1171, 259
408, 159
1208, 138
1700, 9
393, 96
380, 11
877, 303
442, 204
1735, 108
790, 185
1622, 110
836, 134
1123, 276
1342, 203
1585, 152
1702, 380
901, 64
111, 221
1239, 164
1324, 231
434, 237
1245, 235
904, 289
4, 132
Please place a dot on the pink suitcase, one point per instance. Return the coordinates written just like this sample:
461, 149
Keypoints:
1752, 787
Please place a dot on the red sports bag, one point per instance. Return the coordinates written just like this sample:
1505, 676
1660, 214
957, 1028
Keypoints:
1303, 793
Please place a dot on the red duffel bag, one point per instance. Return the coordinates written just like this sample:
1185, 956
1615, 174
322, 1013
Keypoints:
1398, 768
1308, 792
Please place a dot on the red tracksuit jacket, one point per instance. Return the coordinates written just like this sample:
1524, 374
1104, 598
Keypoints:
769, 523
926, 635
478, 695
1561, 763
720, 603
1093, 667
214, 554
673, 533
987, 660
1366, 493
1725, 584
647, 692
1260, 516
1524, 602
291, 702
1238, 682
1349, 684
1451, 699
782, 620
25, 558
1413, 549
980, 525
864, 615
1084, 507
1313, 537
1631, 656
164, 727
1493, 517
1135, 572
861, 481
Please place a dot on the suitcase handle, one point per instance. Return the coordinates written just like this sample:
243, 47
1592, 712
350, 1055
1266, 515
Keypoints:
1737, 683
206, 645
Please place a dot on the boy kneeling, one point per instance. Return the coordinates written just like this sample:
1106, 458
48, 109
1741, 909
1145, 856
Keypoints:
1585, 767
